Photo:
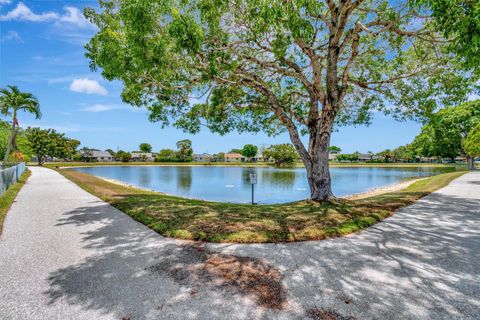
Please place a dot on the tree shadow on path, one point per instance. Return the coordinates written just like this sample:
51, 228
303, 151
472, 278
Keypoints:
137, 274
424, 262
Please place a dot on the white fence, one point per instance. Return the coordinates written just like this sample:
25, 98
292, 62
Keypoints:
10, 175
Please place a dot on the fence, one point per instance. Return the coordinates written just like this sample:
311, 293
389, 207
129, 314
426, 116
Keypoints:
10, 175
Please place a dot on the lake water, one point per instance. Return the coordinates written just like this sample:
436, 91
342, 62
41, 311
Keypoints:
232, 184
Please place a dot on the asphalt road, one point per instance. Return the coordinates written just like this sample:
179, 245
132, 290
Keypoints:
65, 254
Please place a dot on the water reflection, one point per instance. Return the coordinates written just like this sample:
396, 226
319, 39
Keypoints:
184, 178
284, 179
145, 176
232, 184
246, 175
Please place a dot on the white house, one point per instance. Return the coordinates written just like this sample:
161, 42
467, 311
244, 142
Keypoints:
367, 157
143, 156
332, 156
203, 157
96, 155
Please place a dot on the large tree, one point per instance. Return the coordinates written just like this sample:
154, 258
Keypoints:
12, 100
298, 66
185, 151
48, 142
249, 151
471, 144
145, 147
281, 154
445, 133
166, 155
334, 149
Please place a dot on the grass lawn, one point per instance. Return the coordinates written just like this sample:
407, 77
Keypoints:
250, 164
7, 198
221, 222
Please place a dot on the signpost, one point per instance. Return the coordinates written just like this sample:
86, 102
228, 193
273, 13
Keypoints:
253, 181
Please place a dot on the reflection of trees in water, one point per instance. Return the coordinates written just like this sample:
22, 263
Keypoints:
246, 175
279, 178
145, 176
184, 178
273, 178
165, 174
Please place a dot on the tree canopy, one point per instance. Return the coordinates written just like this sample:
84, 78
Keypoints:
334, 149
282, 154
347, 157
166, 155
185, 151
48, 142
298, 66
444, 134
471, 144
249, 151
145, 147
124, 156
459, 20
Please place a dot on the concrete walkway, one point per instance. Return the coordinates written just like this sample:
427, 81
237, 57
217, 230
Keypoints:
64, 254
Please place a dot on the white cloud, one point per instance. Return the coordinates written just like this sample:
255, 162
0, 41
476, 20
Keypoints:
105, 107
2, 2
72, 16
23, 13
87, 86
12, 36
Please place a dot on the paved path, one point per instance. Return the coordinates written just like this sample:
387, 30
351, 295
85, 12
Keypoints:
64, 254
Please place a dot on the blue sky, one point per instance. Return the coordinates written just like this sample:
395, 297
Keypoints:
41, 47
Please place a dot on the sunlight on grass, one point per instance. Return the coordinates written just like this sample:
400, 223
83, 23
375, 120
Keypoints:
223, 222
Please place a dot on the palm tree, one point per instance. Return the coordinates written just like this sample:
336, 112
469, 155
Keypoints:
13, 100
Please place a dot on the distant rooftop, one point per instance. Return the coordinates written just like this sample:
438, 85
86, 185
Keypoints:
95, 153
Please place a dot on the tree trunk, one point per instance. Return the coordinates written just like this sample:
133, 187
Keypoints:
319, 180
316, 159
10, 144
471, 163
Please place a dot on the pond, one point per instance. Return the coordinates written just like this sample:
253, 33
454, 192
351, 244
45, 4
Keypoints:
232, 184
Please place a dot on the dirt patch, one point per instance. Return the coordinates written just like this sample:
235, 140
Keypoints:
325, 314
195, 266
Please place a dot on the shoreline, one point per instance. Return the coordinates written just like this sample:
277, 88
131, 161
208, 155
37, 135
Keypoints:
67, 165
216, 222
357, 196
382, 190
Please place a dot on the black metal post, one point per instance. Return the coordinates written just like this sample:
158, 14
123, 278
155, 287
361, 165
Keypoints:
253, 202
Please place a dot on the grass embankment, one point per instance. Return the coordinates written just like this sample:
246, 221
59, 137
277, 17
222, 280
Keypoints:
7, 198
251, 164
222, 222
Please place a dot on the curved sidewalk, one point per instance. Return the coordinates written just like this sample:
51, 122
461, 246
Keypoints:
65, 254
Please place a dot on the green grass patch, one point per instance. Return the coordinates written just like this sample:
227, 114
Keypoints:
223, 222
7, 198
